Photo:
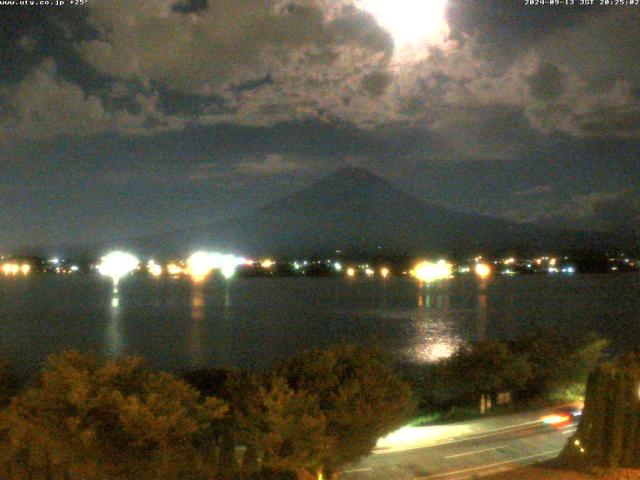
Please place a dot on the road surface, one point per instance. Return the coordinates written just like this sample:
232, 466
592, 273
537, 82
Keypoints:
463, 450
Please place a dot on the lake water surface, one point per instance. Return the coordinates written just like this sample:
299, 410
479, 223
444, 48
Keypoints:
251, 322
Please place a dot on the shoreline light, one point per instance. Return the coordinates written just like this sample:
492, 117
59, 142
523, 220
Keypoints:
12, 268
117, 265
267, 263
201, 264
154, 269
483, 270
174, 269
429, 271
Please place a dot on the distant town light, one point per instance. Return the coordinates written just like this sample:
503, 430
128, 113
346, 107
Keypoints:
369, 272
229, 264
117, 265
267, 263
483, 270
201, 264
25, 269
337, 266
384, 271
174, 269
428, 271
7, 268
351, 272
154, 269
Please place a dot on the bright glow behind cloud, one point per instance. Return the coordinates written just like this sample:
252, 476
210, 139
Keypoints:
411, 23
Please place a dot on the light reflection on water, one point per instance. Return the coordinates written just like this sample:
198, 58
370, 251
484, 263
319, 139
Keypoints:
197, 333
255, 322
114, 337
437, 325
209, 321
434, 335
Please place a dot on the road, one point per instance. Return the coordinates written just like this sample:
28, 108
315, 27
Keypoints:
463, 450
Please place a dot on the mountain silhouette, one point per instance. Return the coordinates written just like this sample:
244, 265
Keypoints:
356, 211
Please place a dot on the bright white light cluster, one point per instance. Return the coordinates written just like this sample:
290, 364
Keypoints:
117, 265
201, 264
154, 269
428, 271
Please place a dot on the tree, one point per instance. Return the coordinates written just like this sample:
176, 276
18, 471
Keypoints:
558, 360
89, 419
239, 389
609, 433
10, 383
358, 393
288, 427
488, 368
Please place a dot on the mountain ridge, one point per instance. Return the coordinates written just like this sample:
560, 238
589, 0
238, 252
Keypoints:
355, 210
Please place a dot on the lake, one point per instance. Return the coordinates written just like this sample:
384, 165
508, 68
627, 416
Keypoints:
252, 322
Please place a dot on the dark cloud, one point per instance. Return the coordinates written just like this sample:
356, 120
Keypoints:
619, 212
376, 83
609, 122
546, 83
191, 6
610, 211
503, 30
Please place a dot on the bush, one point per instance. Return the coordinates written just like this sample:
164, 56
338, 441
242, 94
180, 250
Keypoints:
93, 420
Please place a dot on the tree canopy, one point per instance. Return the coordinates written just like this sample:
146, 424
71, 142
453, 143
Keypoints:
357, 391
92, 419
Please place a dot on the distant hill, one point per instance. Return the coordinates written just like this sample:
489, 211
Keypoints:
356, 211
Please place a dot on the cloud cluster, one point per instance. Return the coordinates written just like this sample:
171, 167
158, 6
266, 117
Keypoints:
613, 211
44, 104
458, 89
263, 62
172, 64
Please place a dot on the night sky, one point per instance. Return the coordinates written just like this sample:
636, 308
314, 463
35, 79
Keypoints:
125, 117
